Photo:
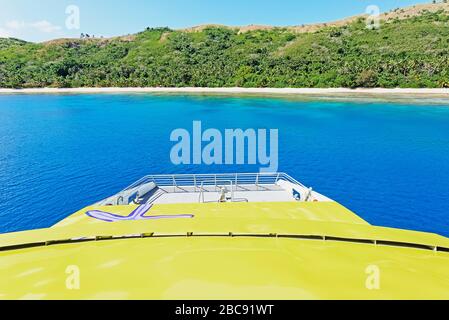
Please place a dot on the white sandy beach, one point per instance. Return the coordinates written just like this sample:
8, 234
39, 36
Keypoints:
295, 91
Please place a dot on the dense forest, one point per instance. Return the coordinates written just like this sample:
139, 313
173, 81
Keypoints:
412, 52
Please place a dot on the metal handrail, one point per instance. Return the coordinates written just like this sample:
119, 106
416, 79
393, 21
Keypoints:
195, 180
238, 180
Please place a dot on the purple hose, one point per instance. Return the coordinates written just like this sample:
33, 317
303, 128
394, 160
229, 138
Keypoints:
138, 214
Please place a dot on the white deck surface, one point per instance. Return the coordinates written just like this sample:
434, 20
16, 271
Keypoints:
245, 193
243, 196
172, 189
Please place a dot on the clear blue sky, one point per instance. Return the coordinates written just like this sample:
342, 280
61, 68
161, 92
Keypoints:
45, 19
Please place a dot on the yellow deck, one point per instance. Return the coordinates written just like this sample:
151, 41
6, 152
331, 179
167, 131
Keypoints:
227, 251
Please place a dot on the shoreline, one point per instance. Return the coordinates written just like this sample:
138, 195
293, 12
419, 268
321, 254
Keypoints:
437, 92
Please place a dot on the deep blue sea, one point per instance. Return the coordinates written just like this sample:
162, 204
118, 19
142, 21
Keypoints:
388, 162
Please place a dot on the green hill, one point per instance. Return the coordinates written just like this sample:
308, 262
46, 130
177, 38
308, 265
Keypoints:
405, 52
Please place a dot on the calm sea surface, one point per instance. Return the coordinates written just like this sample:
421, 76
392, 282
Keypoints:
388, 162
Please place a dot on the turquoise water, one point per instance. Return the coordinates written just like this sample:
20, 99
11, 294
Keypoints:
58, 153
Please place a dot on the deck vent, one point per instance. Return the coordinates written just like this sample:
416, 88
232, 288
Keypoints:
405, 245
232, 235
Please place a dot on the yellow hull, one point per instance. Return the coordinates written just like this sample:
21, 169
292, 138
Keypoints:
226, 251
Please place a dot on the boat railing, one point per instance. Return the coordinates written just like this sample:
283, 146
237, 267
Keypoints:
198, 181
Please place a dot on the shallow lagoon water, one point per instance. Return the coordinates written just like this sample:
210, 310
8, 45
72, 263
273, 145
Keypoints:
388, 162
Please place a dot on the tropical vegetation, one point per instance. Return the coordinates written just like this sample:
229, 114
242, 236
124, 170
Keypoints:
412, 52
